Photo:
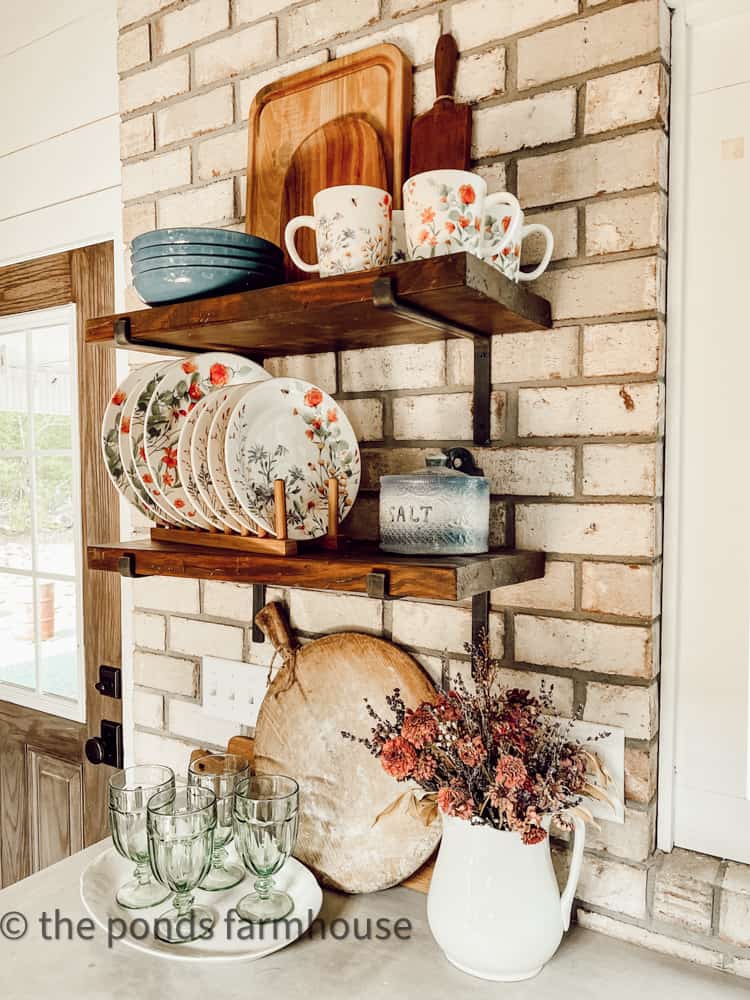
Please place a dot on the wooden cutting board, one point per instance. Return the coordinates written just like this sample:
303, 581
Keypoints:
375, 84
318, 692
441, 137
345, 150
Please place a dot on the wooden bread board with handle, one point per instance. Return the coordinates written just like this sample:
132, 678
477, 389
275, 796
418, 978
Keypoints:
441, 137
317, 693
374, 84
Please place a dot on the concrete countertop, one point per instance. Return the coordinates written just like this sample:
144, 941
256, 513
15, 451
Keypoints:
588, 966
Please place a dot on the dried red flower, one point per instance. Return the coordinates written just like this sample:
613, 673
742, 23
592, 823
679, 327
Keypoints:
398, 758
448, 707
533, 835
471, 751
455, 802
511, 772
420, 727
425, 768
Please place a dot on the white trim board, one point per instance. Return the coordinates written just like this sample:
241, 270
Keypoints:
688, 15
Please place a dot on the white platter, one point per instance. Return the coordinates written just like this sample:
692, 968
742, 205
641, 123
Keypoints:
290, 429
185, 383
100, 879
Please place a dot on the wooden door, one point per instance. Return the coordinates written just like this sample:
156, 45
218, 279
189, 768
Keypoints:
52, 800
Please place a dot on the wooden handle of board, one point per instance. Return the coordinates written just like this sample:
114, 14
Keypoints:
446, 59
241, 746
271, 621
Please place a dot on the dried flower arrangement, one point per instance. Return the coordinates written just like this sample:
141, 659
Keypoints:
494, 756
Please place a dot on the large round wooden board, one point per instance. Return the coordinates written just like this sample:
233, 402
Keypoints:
342, 787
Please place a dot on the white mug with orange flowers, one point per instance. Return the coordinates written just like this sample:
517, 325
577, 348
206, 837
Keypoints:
446, 211
502, 243
352, 225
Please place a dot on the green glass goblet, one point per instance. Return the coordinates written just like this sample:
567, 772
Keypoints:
266, 819
221, 772
129, 793
181, 829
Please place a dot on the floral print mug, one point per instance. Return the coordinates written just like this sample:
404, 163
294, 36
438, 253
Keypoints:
502, 242
352, 226
446, 212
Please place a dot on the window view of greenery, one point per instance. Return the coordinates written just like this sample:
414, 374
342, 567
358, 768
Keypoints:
38, 593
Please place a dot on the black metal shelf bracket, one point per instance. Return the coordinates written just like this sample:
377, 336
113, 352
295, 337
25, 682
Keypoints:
480, 616
124, 338
384, 297
259, 602
126, 566
377, 585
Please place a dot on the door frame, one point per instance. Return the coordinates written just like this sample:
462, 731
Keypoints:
84, 276
685, 15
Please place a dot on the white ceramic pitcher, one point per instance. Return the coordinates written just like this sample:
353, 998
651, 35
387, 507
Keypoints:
494, 906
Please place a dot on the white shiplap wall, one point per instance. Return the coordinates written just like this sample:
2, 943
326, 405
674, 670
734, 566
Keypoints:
59, 127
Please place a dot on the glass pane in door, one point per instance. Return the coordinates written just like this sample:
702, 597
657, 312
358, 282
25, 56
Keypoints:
17, 648
55, 515
15, 511
58, 637
40, 533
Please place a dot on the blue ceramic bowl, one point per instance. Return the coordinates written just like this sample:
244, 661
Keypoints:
207, 260
165, 285
206, 250
217, 237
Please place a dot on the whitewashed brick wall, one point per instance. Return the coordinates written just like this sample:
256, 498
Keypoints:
570, 109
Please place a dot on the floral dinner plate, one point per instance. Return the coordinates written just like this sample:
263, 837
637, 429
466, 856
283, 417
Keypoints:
205, 412
136, 420
184, 384
292, 430
115, 421
184, 463
217, 469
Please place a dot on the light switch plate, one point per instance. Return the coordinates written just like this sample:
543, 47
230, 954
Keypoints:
233, 690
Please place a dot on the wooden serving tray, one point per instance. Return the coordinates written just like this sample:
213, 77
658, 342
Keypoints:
375, 84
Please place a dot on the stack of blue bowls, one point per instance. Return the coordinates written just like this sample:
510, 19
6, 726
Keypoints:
173, 265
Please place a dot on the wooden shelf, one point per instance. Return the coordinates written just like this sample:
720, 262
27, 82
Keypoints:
355, 569
339, 313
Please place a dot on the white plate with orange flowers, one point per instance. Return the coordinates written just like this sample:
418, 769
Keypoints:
132, 443
289, 429
184, 384
216, 464
115, 425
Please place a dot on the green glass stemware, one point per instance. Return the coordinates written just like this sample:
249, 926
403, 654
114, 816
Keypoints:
266, 819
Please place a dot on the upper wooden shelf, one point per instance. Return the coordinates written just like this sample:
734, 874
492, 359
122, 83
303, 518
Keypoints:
417, 302
359, 568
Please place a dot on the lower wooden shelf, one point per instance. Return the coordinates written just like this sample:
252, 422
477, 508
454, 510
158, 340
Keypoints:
359, 568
